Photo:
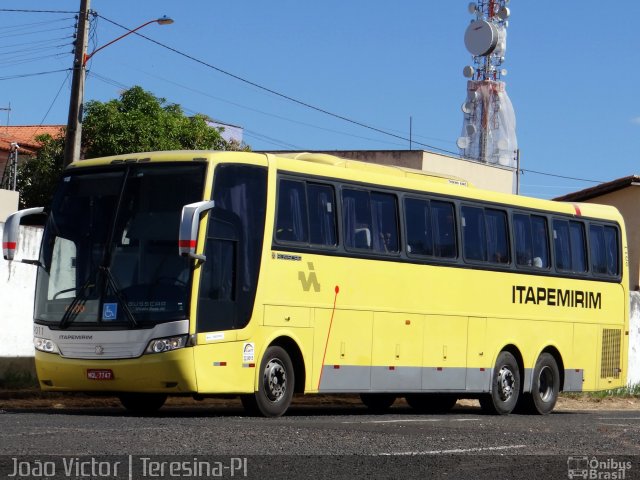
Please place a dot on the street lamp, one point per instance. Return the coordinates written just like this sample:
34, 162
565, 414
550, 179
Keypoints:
160, 21
74, 122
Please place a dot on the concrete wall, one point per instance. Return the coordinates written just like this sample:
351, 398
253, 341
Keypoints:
481, 175
17, 285
8, 203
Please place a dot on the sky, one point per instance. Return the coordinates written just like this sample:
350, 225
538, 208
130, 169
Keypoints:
572, 74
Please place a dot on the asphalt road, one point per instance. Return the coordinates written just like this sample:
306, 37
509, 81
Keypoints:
337, 442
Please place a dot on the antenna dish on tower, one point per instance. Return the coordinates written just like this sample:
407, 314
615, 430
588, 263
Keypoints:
481, 38
462, 142
503, 13
472, 8
468, 71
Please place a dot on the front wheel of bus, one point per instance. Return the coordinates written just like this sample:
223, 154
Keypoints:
142, 403
505, 386
276, 383
545, 387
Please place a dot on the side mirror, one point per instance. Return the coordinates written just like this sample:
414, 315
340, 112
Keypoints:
11, 231
189, 225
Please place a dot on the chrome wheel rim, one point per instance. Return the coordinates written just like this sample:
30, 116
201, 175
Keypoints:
545, 384
506, 383
275, 380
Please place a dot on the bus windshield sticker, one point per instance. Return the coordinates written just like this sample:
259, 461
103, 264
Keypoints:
110, 311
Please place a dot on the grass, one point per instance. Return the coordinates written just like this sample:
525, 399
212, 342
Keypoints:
630, 391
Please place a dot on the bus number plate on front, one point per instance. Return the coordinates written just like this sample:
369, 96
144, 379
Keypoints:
100, 374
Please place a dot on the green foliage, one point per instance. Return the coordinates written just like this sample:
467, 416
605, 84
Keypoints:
37, 177
136, 122
140, 122
629, 391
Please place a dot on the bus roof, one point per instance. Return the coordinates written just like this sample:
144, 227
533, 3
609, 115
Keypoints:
330, 166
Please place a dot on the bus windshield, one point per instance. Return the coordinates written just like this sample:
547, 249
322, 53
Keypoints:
109, 254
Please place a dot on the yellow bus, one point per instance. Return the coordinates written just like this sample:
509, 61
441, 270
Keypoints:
263, 275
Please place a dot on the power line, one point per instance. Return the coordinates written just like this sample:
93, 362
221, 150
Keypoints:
274, 92
560, 176
261, 112
16, 10
24, 75
55, 98
313, 107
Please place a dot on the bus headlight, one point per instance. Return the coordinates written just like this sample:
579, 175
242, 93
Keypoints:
45, 345
160, 345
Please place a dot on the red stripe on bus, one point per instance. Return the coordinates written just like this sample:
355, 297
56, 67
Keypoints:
187, 243
578, 212
9, 245
326, 344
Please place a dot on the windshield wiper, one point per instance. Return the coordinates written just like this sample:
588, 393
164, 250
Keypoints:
74, 307
121, 300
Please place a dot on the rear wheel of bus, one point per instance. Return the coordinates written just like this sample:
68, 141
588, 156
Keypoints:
505, 386
545, 387
142, 403
275, 385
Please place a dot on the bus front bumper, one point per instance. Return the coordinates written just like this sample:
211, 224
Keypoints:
168, 372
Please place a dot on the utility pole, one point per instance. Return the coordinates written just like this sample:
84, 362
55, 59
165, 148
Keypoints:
74, 122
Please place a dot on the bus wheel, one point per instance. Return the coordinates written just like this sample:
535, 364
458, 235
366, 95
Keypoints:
378, 402
276, 383
431, 403
142, 402
505, 386
545, 387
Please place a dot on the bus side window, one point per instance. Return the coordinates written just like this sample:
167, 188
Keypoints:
497, 236
357, 219
531, 240
569, 242
322, 215
603, 246
291, 220
473, 233
384, 214
418, 222
597, 250
444, 229
611, 248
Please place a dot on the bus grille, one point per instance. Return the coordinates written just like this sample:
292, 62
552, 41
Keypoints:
610, 363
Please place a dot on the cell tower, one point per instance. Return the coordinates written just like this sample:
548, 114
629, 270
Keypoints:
489, 128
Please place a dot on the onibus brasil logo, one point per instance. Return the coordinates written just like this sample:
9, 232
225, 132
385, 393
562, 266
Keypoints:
594, 468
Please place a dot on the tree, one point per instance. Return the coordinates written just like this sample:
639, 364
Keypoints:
37, 177
141, 122
136, 122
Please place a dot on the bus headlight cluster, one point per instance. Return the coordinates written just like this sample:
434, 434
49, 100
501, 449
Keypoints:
45, 345
160, 345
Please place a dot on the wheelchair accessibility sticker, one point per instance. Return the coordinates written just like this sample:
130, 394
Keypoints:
110, 311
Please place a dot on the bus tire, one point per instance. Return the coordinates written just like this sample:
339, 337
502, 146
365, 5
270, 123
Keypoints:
505, 386
431, 403
276, 383
378, 402
142, 403
544, 388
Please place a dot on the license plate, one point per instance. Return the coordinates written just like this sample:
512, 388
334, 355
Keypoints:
100, 374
